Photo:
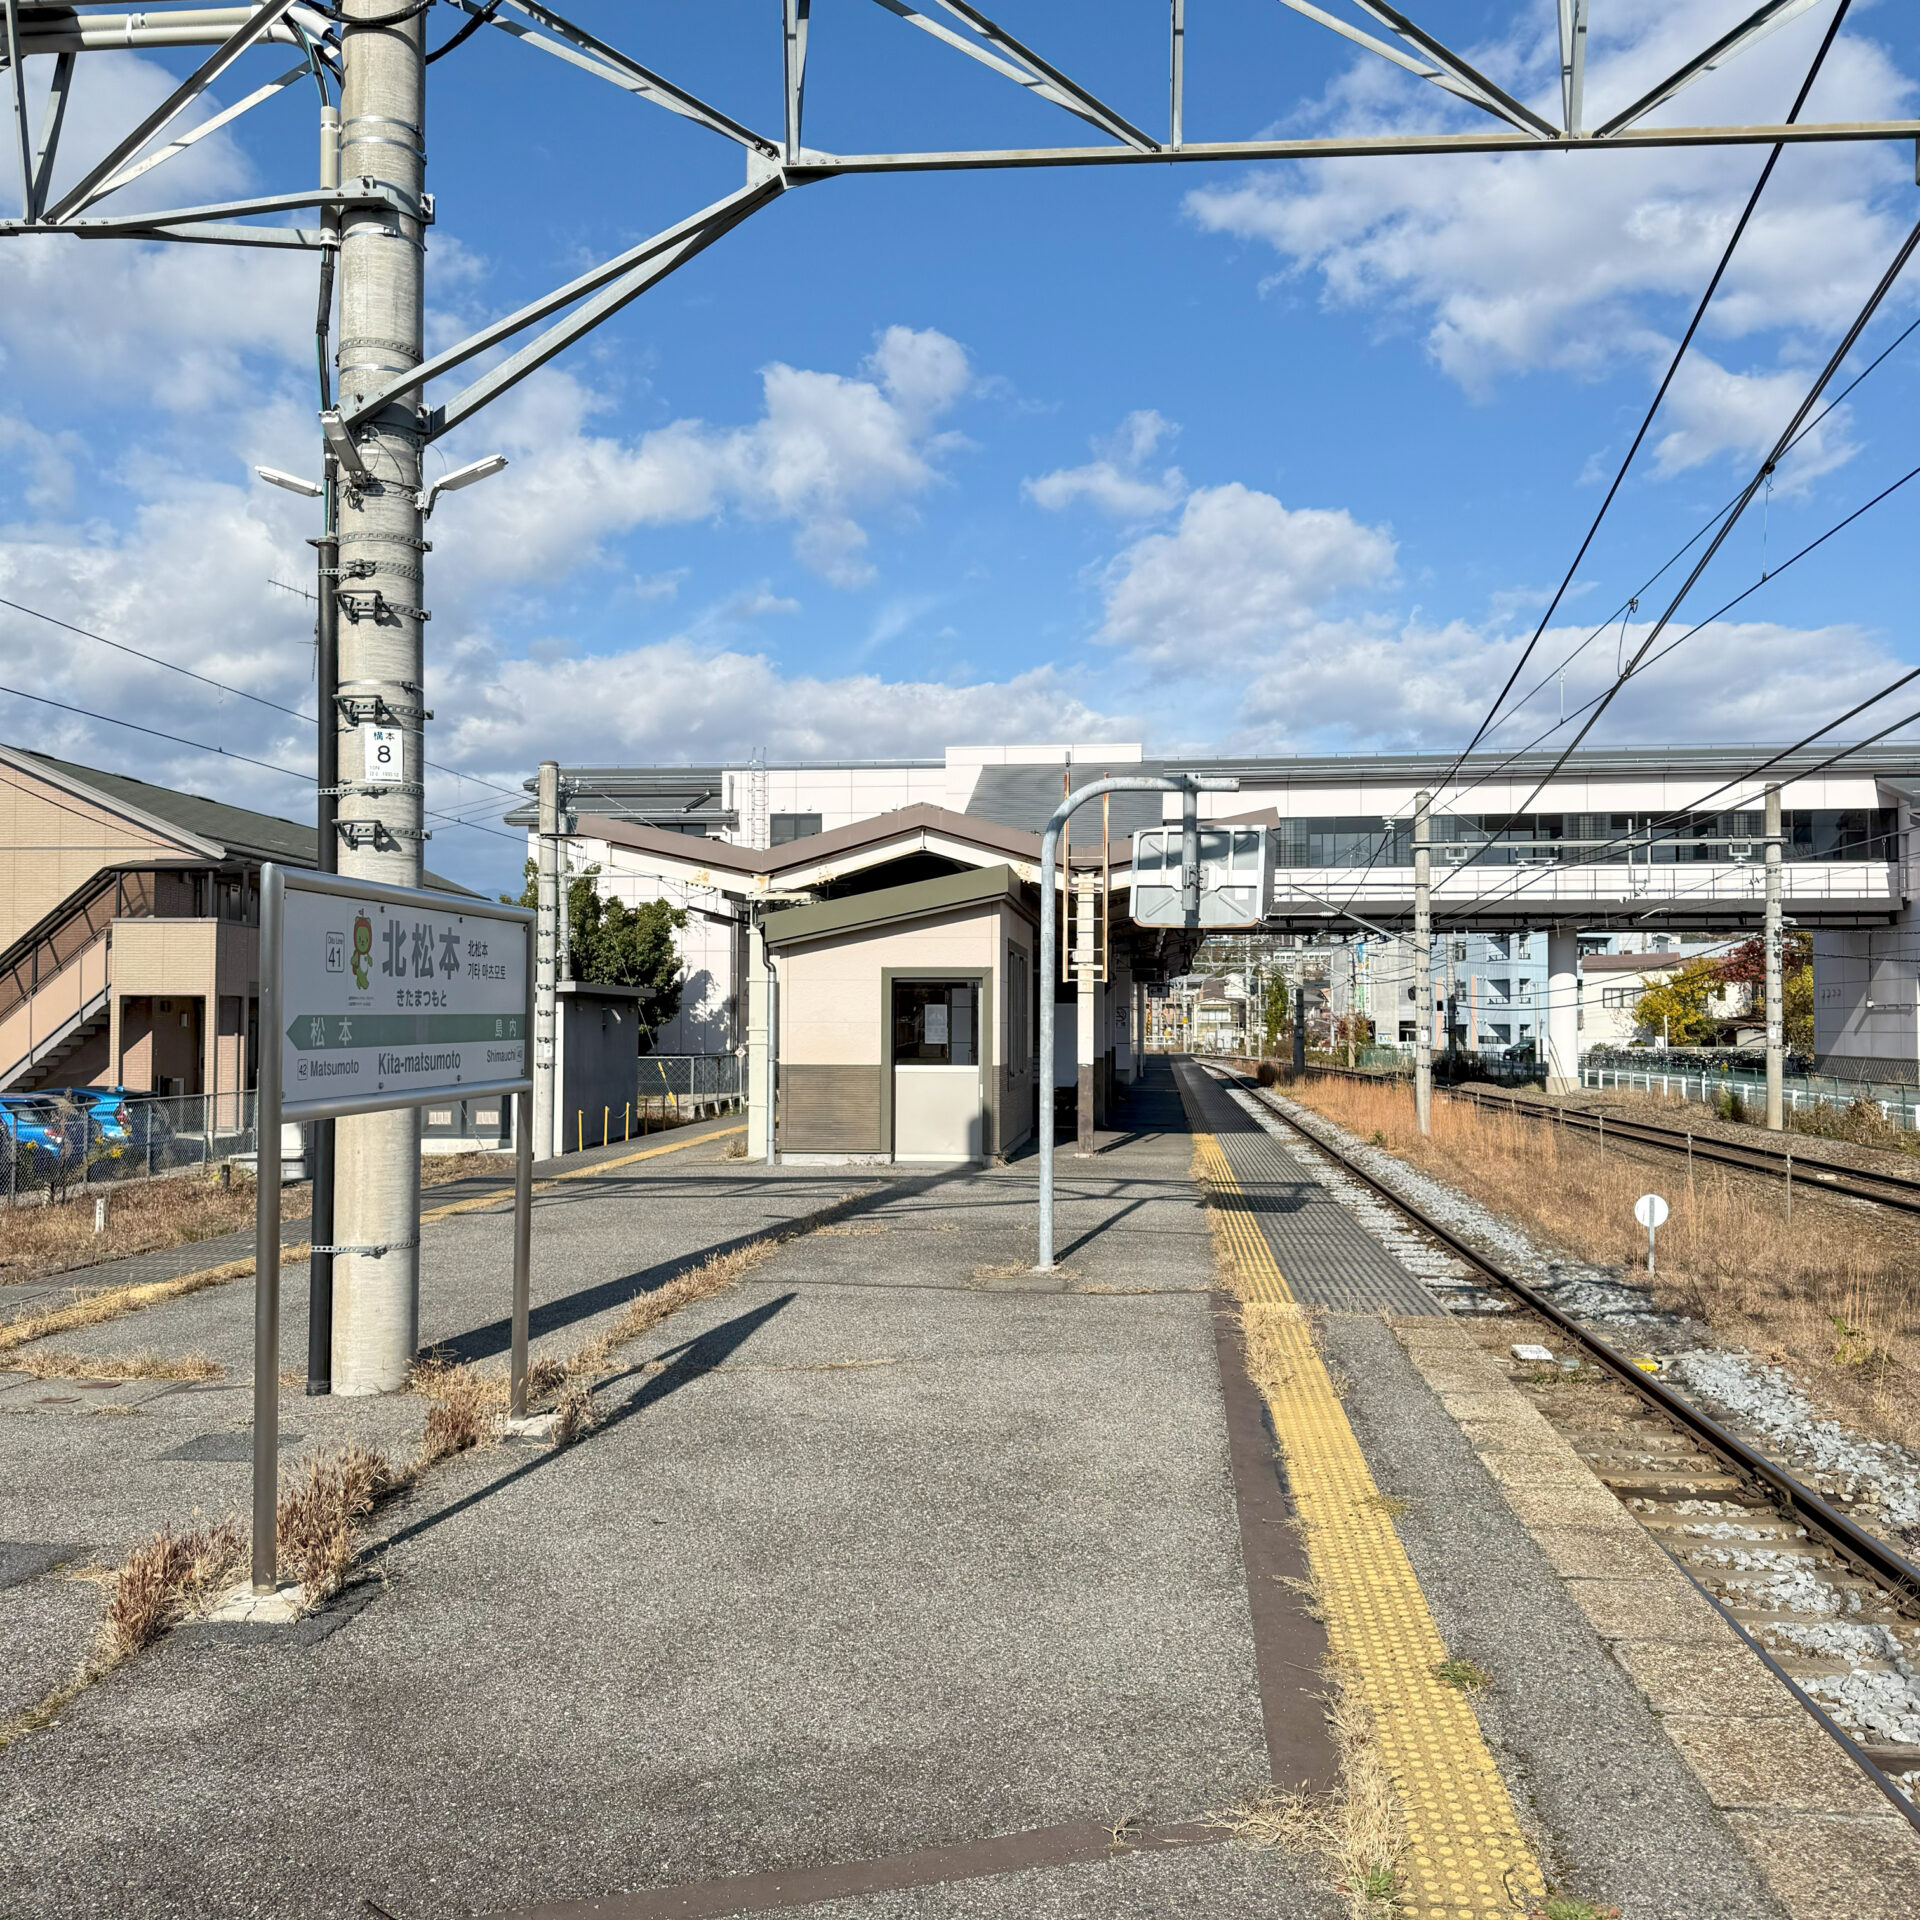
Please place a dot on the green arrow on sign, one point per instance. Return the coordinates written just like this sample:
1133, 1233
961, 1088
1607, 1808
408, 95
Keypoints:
343, 1032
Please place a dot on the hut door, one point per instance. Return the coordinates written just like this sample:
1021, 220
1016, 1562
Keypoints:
938, 1109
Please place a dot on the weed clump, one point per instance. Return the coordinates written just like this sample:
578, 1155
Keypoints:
460, 1407
578, 1414
1463, 1676
175, 1573
321, 1507
1358, 1833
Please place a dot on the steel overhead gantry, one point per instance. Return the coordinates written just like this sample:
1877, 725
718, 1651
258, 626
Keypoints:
371, 209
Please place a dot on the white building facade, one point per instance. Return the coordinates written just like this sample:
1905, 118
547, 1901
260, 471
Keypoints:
1622, 848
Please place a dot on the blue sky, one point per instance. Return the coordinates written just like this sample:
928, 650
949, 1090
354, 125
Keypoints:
1236, 457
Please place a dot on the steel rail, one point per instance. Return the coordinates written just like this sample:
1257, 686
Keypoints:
1867, 1554
1824, 1176
1870, 1555
1829, 1176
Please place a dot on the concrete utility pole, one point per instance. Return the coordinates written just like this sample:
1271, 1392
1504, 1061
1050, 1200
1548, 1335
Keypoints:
1776, 1008
1563, 1010
1423, 961
1086, 1039
546, 959
327, 813
382, 677
327, 858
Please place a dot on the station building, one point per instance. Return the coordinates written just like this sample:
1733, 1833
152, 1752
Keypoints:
1622, 850
130, 934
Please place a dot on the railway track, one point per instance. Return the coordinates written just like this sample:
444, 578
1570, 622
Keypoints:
1827, 1176
1901, 1192
1830, 1608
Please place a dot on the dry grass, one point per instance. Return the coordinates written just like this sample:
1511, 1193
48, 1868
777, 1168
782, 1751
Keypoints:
150, 1215
37, 1241
578, 1414
122, 1366
462, 1404
174, 1574
645, 1311
1357, 1833
441, 1169
1833, 1295
113, 1303
323, 1503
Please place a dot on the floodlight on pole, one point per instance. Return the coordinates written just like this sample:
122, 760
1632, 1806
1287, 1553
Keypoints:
462, 477
291, 482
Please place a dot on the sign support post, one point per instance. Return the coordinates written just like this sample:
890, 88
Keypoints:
266, 1243
439, 1007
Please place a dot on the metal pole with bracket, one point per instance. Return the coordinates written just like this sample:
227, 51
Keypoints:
1188, 785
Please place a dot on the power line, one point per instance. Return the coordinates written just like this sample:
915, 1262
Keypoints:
1900, 339
1384, 839
221, 686
1646, 425
1493, 773
1752, 487
133, 726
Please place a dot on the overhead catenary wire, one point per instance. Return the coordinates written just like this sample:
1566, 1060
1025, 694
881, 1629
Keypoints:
1494, 772
1384, 838
1894, 269
1906, 333
1720, 612
1673, 368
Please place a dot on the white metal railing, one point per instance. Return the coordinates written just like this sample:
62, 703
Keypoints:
1900, 1105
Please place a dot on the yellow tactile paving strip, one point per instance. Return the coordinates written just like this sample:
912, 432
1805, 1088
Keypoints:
1465, 1854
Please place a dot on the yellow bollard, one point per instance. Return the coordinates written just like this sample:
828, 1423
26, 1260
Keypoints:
628, 1134
580, 1130
606, 1115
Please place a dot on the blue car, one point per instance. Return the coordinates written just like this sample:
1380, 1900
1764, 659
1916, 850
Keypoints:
110, 1121
41, 1134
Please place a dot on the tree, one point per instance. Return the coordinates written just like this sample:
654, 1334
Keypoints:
1746, 966
1276, 1011
1680, 1007
616, 945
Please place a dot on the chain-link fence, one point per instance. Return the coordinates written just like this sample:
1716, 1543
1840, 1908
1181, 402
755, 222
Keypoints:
55, 1142
690, 1076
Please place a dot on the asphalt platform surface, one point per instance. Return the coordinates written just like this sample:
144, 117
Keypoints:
898, 1580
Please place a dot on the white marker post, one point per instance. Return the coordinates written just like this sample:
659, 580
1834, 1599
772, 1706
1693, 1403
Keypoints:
1651, 1211
374, 997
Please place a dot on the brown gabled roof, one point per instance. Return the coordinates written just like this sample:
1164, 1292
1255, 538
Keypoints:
989, 836
1634, 962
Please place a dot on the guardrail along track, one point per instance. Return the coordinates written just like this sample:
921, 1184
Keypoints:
1828, 1606
1898, 1191
1895, 1190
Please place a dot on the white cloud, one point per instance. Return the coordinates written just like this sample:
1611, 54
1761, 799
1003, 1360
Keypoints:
828, 450
1427, 686
1238, 571
1582, 263
1116, 482
186, 328
1714, 411
47, 459
677, 700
